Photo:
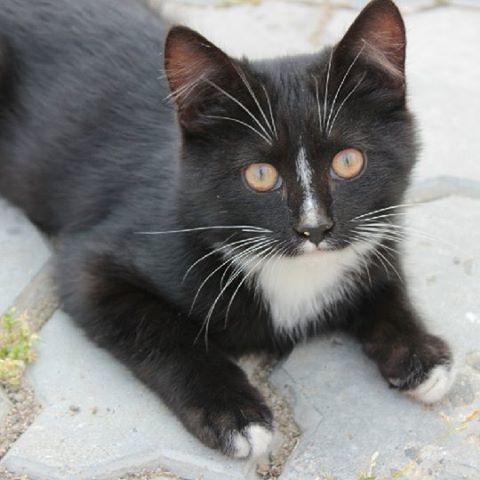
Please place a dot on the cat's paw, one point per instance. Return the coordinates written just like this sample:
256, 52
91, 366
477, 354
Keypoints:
253, 441
240, 426
426, 372
436, 385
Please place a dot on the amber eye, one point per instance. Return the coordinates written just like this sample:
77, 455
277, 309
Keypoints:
348, 163
262, 177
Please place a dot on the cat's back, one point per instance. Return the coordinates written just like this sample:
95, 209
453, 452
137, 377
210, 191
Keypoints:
81, 98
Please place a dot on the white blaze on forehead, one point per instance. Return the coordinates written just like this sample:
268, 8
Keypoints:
309, 210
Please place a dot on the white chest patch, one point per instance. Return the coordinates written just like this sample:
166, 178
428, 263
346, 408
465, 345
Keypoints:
298, 289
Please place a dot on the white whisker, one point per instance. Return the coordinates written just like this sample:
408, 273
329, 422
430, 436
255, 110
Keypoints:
343, 103
245, 124
271, 111
268, 258
242, 75
379, 255
241, 105
216, 250
318, 104
381, 233
391, 207
390, 264
325, 99
206, 321
257, 243
387, 215
332, 106
405, 231
243, 228
184, 90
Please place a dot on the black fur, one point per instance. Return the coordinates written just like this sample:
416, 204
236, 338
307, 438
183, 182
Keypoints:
94, 154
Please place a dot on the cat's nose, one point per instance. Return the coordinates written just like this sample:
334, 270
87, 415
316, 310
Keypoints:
314, 233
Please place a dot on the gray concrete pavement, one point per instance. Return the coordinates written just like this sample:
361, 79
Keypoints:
4, 406
23, 253
98, 422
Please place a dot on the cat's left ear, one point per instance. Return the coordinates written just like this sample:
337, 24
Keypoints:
377, 39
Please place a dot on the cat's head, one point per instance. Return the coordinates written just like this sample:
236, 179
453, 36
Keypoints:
300, 146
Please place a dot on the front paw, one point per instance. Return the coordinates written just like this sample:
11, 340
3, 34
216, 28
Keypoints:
424, 371
239, 427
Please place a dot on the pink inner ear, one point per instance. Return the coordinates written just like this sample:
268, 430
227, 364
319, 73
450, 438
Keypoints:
185, 65
385, 46
379, 34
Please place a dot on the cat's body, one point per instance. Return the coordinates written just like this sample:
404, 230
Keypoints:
168, 258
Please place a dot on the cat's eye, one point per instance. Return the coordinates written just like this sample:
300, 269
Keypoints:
262, 177
348, 163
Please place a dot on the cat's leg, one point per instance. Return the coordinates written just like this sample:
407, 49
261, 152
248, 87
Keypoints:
409, 357
207, 391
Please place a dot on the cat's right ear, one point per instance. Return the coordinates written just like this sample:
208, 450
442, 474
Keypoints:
193, 66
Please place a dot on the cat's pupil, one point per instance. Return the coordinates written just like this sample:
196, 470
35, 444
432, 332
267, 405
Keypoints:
261, 173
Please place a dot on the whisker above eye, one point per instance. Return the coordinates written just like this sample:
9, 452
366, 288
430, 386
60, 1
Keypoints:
275, 131
240, 122
332, 106
352, 91
319, 108
243, 77
241, 105
325, 99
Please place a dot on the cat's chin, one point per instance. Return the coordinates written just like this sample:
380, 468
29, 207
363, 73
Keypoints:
309, 248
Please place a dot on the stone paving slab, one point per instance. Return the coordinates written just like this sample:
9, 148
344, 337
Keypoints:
23, 251
262, 30
4, 406
99, 422
345, 409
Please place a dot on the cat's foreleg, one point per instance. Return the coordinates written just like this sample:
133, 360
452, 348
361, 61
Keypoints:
206, 390
409, 357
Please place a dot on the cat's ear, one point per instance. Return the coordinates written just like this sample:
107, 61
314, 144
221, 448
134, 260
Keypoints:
377, 39
195, 69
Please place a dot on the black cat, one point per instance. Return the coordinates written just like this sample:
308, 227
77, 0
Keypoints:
253, 206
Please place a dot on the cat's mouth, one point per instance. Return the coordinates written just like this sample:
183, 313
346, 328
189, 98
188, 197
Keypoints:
309, 247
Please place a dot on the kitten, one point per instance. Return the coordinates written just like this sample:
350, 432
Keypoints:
262, 209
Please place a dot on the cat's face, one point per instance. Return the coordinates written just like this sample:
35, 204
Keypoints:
301, 146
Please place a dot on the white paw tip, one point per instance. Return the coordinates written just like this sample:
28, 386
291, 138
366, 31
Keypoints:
254, 441
240, 446
260, 439
437, 384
